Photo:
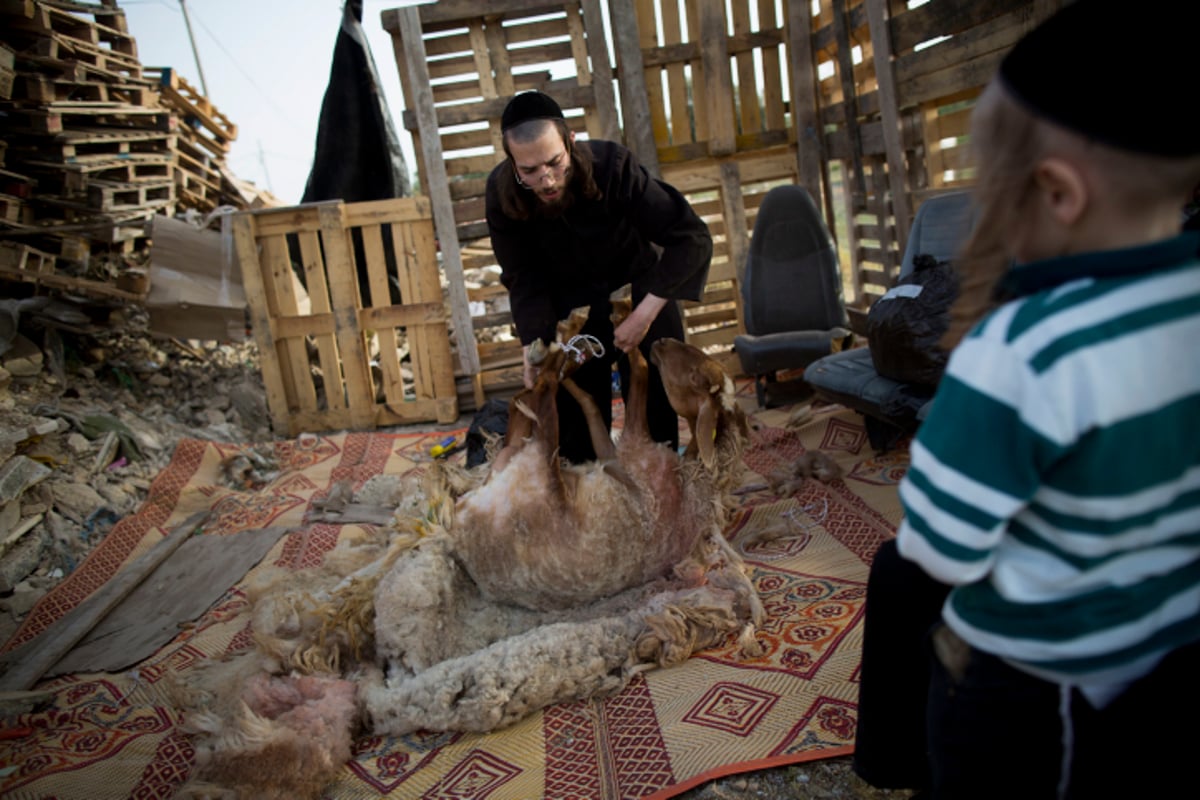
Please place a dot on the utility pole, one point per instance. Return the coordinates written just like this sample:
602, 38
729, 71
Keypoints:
263, 163
195, 53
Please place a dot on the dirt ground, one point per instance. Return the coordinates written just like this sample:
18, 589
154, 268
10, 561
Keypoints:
828, 779
152, 392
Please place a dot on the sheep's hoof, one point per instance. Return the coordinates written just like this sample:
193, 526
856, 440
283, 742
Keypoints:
538, 351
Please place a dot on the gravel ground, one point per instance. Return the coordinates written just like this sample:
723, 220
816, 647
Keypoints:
828, 779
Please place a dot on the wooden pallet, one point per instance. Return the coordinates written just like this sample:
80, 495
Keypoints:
47, 20
74, 178
347, 302
81, 145
7, 71
197, 112
55, 48
103, 13
14, 210
62, 116
26, 264
37, 88
115, 197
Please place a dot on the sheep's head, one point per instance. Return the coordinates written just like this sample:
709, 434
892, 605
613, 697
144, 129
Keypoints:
699, 391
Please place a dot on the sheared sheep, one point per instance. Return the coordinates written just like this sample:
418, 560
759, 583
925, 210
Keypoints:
559, 582
544, 535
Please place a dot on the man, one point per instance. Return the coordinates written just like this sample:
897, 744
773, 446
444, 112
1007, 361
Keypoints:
573, 221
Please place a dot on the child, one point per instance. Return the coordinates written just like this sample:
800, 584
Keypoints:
1053, 499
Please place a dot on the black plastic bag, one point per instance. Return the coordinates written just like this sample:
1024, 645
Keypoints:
906, 325
491, 419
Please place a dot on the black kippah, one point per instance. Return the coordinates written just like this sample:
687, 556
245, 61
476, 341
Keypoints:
1115, 72
527, 106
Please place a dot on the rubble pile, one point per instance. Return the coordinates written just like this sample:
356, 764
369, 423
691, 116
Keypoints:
89, 416
94, 146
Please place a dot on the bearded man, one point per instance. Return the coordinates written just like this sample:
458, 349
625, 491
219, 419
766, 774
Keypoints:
572, 222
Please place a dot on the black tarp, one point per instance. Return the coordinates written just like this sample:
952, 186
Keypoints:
358, 155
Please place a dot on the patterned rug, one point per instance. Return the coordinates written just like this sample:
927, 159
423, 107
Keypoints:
105, 736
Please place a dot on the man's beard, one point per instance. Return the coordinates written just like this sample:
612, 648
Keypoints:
552, 209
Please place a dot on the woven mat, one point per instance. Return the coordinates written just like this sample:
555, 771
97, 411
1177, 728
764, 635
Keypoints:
108, 736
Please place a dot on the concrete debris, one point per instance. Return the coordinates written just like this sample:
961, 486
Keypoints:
80, 449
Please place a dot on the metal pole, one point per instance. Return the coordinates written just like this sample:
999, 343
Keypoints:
195, 53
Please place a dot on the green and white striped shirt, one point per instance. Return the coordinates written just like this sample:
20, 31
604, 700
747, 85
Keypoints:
1056, 481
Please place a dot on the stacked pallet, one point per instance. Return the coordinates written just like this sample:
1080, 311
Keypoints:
95, 145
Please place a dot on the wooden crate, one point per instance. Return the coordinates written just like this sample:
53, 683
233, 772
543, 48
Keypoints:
317, 284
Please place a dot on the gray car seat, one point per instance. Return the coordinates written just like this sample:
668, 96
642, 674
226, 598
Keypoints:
792, 291
892, 408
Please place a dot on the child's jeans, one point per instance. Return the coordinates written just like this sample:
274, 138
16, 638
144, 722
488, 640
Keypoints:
980, 728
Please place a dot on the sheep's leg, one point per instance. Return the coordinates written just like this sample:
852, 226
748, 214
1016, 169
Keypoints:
636, 420
601, 442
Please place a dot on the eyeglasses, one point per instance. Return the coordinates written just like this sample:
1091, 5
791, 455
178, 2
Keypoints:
554, 169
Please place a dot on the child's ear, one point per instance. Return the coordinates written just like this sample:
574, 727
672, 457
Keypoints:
1064, 190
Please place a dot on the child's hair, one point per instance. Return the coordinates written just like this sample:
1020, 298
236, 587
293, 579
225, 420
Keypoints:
1008, 141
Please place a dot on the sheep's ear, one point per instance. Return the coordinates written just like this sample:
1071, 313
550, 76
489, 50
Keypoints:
706, 431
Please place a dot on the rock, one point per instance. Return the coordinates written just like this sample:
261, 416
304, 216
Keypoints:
24, 359
77, 501
78, 444
19, 473
211, 417
22, 600
22, 558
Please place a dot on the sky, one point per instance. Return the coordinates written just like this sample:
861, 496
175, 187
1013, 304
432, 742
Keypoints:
265, 66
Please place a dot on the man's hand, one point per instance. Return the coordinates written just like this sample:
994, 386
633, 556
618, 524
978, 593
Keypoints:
629, 334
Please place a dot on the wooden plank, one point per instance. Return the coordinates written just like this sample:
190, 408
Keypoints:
855, 180
946, 18
438, 365
396, 209
718, 78
677, 90
318, 296
487, 81
747, 86
246, 251
652, 76
344, 299
772, 88
436, 182
23, 666
449, 11
418, 339
810, 144
885, 79
635, 107
737, 235
601, 70
279, 280
700, 109
379, 291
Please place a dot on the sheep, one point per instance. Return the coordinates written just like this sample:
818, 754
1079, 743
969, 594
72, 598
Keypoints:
486, 604
543, 535
591, 573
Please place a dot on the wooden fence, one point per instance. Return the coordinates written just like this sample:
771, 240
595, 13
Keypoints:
865, 103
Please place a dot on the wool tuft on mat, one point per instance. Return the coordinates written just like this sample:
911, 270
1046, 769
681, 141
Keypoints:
118, 735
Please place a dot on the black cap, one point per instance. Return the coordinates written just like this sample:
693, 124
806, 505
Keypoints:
529, 105
1116, 72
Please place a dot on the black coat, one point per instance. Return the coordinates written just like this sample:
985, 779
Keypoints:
551, 265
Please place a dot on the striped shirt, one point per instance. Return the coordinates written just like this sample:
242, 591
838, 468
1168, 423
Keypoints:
1056, 481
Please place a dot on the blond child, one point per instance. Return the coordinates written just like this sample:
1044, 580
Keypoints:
1053, 498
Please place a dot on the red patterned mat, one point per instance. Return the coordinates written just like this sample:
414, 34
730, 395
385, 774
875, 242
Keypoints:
112, 736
